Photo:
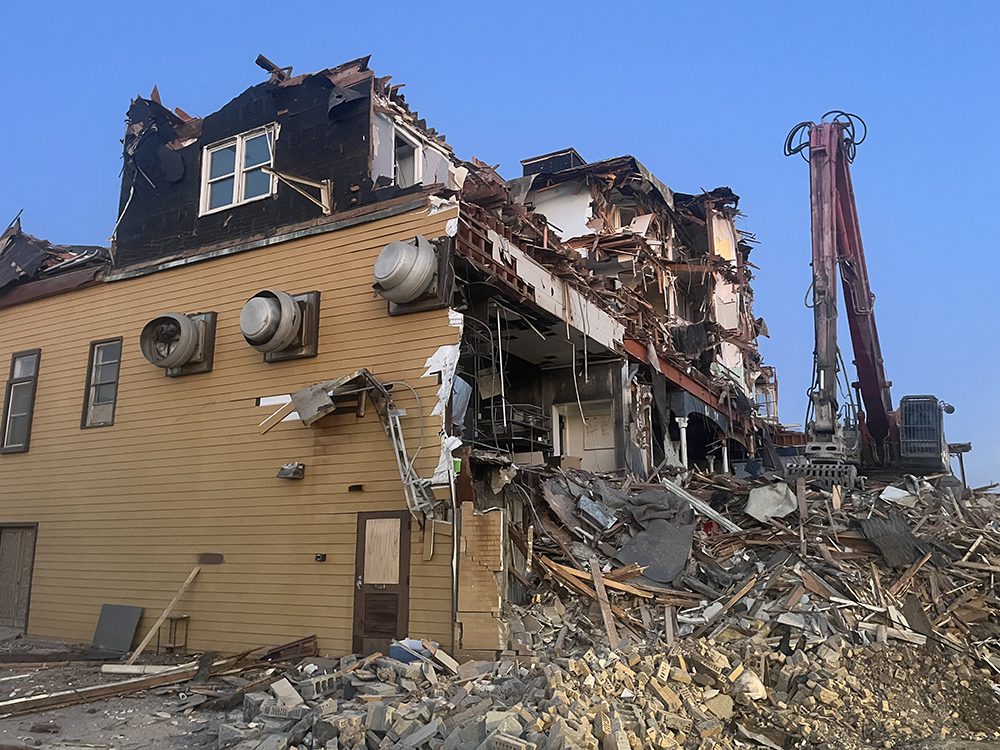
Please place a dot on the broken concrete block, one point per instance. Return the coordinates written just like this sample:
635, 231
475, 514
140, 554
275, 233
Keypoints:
273, 742
327, 708
721, 706
319, 686
377, 688
251, 705
503, 721
323, 732
501, 741
379, 717
230, 734
616, 741
274, 709
423, 734
708, 728
285, 693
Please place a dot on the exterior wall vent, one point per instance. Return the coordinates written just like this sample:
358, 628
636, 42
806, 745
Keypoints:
414, 275
404, 271
281, 325
179, 343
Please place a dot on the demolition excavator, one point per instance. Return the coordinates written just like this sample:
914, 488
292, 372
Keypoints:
863, 432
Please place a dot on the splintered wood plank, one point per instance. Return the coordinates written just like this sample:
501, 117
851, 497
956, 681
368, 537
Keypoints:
669, 631
744, 590
275, 419
605, 605
163, 616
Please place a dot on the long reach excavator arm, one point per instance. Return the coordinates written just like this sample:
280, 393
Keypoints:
829, 147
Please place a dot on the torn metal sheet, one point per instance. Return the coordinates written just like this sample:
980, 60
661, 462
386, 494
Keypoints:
661, 548
596, 514
316, 401
25, 257
771, 501
702, 507
561, 504
893, 538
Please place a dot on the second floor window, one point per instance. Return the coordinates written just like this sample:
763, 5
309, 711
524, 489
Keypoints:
19, 404
102, 383
232, 170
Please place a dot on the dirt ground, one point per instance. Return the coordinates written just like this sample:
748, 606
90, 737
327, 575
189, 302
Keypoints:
157, 718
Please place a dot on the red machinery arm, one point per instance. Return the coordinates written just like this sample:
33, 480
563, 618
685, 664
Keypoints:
836, 240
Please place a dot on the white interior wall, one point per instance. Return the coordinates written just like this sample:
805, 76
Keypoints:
567, 207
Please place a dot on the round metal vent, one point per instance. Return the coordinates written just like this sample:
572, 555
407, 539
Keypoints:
405, 270
270, 321
169, 340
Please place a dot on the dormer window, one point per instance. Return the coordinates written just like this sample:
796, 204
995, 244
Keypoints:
232, 171
406, 161
401, 157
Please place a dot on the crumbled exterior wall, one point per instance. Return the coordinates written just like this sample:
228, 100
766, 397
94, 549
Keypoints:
480, 569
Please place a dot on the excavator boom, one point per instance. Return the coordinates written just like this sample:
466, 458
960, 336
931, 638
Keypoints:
836, 238
913, 437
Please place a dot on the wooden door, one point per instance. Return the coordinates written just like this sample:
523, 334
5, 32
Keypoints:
17, 556
381, 580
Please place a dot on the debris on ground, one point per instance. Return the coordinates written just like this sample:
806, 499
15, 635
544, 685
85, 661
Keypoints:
698, 611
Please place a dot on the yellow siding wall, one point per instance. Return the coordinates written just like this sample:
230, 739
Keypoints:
124, 511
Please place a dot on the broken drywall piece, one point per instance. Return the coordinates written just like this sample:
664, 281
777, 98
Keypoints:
900, 497
443, 362
444, 468
770, 501
437, 205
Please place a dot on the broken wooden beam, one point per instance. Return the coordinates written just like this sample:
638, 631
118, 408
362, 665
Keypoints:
163, 616
605, 605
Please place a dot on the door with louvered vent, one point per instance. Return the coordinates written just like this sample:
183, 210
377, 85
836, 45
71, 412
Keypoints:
381, 580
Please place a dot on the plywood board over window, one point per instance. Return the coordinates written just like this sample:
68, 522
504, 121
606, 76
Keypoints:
382, 580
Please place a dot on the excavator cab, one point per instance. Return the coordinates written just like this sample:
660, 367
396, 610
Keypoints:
922, 445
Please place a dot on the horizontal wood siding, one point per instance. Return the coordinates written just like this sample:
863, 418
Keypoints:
124, 511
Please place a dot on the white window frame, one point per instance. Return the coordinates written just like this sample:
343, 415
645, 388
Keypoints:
92, 407
29, 381
238, 169
418, 155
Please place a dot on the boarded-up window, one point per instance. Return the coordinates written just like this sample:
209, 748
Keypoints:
382, 551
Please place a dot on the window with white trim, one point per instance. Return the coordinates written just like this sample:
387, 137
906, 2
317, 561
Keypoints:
101, 393
19, 404
232, 171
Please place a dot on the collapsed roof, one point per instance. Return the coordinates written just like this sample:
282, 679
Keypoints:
24, 257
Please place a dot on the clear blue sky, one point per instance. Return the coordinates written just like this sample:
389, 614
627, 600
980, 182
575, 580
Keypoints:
703, 94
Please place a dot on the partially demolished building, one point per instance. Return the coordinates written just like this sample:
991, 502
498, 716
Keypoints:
320, 345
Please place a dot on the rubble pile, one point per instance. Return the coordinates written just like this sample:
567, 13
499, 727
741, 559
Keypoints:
700, 611
728, 558
699, 693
